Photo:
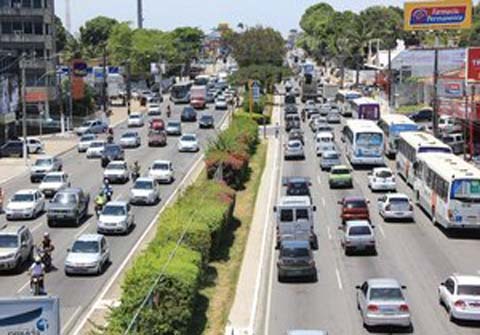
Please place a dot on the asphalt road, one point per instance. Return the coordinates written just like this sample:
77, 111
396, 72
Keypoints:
77, 293
418, 254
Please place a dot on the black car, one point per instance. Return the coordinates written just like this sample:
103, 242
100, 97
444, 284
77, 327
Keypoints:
290, 99
206, 121
112, 152
423, 115
297, 186
188, 115
12, 149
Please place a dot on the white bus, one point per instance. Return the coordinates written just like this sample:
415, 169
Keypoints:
180, 92
410, 144
392, 125
364, 142
448, 189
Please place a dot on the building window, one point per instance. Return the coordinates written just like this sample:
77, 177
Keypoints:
47, 29
27, 27
38, 28
37, 3
26, 3
45, 3
17, 27
4, 3
6, 28
16, 3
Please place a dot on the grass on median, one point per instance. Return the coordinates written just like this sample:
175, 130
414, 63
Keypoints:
218, 291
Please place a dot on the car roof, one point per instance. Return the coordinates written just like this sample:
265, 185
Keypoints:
354, 198
45, 157
117, 162
397, 195
358, 223
56, 173
145, 179
161, 161
116, 203
466, 279
26, 191
131, 132
89, 237
189, 134
70, 190
378, 169
383, 282
295, 244
136, 114
298, 179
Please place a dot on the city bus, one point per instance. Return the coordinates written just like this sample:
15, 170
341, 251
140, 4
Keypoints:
448, 189
201, 80
410, 144
180, 93
365, 108
364, 142
343, 98
392, 125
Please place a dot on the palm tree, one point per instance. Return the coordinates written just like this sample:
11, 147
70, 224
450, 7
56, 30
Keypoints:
358, 38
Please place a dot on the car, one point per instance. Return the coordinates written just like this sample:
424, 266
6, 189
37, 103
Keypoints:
54, 182
292, 122
130, 139
112, 152
68, 205
92, 126
395, 206
328, 159
157, 138
294, 150
382, 179
44, 165
448, 124
144, 191
423, 115
174, 128
25, 204
306, 332
340, 176
333, 116
460, 295
96, 148
221, 103
162, 171
324, 141
210, 97
357, 235
157, 124
354, 208
290, 109
154, 109
34, 145
16, 247
297, 186
89, 254
381, 303
323, 127
135, 120
116, 172
188, 143
116, 217
188, 114
206, 121
295, 260
12, 148
85, 142
296, 134
456, 141
325, 109
311, 111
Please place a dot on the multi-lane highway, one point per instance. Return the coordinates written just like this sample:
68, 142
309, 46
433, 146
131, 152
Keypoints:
418, 254
77, 293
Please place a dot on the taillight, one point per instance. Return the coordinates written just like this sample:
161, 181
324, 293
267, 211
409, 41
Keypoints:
372, 308
460, 304
403, 308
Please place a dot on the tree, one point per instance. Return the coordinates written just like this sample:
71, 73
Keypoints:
60, 34
120, 43
95, 33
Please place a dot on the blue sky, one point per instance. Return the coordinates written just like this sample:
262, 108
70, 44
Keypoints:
168, 14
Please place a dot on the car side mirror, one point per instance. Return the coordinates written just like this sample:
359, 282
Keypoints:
403, 287
442, 284
314, 208
358, 287
274, 208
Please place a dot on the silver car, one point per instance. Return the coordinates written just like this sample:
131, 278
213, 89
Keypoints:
44, 165
130, 139
116, 172
381, 303
116, 217
396, 206
174, 128
95, 150
144, 191
306, 332
329, 159
16, 247
357, 235
85, 141
90, 254
294, 150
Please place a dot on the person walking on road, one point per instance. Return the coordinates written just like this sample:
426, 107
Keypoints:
169, 111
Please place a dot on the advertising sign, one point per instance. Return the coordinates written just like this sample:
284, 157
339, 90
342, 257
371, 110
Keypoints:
79, 68
473, 64
438, 15
453, 88
78, 88
32, 315
37, 94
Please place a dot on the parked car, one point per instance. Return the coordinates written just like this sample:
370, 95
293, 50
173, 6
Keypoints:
456, 141
294, 150
54, 182
25, 204
357, 235
354, 208
96, 148
448, 124
34, 145
112, 152
340, 176
89, 254
16, 247
188, 143
460, 295
157, 138
162, 171
144, 191
154, 109
130, 139
116, 217
174, 128
12, 148
135, 120
382, 179
381, 303
116, 172
44, 165
423, 115
206, 121
395, 206
295, 260
188, 114
68, 205
329, 159
85, 142
92, 126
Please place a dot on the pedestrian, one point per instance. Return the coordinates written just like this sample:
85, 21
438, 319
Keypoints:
277, 129
2, 197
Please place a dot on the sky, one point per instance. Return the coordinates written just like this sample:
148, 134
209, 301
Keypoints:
205, 14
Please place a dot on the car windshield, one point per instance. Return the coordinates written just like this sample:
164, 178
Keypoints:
356, 204
330, 155
52, 178
8, 241
143, 185
97, 144
340, 171
85, 247
220, 99
87, 138
173, 124
294, 144
188, 138
207, 117
43, 162
153, 106
161, 166
129, 135
384, 174
64, 198
116, 166
135, 116
111, 150
21, 197
294, 252
357, 231
114, 210
386, 294
468, 290
286, 215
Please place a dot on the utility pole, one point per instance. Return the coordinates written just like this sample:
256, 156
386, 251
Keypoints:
140, 14
24, 107
472, 113
435, 94
129, 87
62, 113
70, 95
390, 81
104, 85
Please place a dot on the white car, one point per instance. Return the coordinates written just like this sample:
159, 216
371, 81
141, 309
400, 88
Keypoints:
460, 294
188, 143
144, 191
395, 206
53, 182
221, 103
382, 179
116, 172
44, 165
95, 150
116, 217
90, 254
154, 109
162, 171
25, 204
85, 142
324, 141
130, 139
333, 116
135, 120
34, 145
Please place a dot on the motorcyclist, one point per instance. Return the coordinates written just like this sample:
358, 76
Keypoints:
303, 115
110, 135
107, 189
135, 170
47, 250
37, 270
100, 201
169, 111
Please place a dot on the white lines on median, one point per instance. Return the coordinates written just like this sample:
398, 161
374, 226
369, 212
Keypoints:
323, 202
319, 180
74, 315
329, 234
339, 279
381, 231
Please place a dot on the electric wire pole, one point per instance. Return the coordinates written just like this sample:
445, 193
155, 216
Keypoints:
139, 14
24, 107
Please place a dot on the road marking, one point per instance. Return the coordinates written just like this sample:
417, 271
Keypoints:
323, 201
65, 327
339, 279
37, 226
329, 233
382, 231
319, 180
24, 286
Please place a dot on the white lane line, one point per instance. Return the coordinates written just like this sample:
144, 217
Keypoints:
323, 202
329, 233
319, 180
74, 315
339, 279
37, 226
382, 231
24, 286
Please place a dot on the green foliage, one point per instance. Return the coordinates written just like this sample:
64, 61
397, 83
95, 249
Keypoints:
95, 33
258, 118
60, 34
266, 74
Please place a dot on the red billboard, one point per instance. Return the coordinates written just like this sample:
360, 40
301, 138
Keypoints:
473, 64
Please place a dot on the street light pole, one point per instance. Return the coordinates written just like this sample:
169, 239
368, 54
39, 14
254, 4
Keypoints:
24, 108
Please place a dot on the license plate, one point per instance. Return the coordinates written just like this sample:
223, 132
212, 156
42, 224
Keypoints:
387, 310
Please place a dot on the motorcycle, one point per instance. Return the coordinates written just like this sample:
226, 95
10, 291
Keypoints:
98, 209
46, 258
135, 175
36, 285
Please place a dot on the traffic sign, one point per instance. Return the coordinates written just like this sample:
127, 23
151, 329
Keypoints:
256, 91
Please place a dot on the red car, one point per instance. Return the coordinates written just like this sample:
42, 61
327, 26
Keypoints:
354, 208
157, 138
157, 124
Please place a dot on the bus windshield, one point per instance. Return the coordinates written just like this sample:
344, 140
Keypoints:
369, 140
424, 149
466, 190
180, 91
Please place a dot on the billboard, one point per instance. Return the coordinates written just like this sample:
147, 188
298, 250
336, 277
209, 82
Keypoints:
438, 15
79, 68
473, 64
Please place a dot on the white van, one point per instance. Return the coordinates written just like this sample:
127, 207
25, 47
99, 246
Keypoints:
324, 141
448, 124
